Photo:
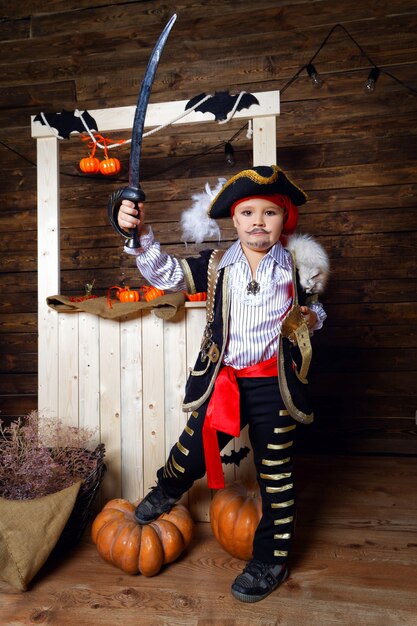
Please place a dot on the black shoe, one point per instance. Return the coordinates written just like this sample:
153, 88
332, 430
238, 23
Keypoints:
153, 505
258, 580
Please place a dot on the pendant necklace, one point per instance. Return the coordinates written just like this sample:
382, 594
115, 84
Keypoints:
253, 288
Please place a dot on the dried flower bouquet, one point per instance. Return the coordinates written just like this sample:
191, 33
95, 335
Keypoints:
40, 456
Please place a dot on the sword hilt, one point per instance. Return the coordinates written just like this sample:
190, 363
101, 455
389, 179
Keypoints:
134, 194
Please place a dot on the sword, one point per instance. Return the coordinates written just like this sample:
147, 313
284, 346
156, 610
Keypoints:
133, 191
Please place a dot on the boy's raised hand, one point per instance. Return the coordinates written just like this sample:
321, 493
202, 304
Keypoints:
129, 217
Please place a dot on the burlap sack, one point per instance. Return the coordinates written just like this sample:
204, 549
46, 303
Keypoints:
164, 306
29, 531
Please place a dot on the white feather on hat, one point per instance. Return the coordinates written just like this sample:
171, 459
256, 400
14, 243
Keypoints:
195, 223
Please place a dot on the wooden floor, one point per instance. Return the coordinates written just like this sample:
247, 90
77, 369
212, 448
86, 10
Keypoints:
354, 564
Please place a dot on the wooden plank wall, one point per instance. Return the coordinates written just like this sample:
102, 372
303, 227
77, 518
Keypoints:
354, 153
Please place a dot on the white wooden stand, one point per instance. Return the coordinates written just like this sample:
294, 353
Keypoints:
125, 378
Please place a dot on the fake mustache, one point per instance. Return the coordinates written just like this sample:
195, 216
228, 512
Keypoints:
255, 231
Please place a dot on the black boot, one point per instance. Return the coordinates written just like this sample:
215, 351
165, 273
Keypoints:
153, 505
258, 580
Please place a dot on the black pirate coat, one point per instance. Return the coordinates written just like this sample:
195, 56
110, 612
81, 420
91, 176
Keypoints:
294, 352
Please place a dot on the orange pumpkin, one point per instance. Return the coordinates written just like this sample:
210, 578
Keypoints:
110, 166
196, 297
133, 548
90, 165
128, 295
150, 293
235, 512
124, 294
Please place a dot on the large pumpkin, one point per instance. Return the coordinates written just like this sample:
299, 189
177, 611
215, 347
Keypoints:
133, 548
235, 512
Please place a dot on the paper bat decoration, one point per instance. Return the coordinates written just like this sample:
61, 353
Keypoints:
67, 122
221, 103
235, 457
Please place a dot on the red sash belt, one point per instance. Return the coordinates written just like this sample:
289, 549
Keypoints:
223, 413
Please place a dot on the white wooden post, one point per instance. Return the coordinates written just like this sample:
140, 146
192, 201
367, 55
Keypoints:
264, 141
48, 272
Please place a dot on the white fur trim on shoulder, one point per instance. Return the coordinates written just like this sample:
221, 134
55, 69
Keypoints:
196, 225
312, 262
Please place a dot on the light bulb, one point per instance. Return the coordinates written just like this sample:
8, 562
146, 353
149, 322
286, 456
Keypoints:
229, 153
369, 86
315, 78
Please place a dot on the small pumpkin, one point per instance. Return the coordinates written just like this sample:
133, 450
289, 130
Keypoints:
110, 166
90, 165
133, 548
124, 294
235, 512
128, 295
150, 293
196, 297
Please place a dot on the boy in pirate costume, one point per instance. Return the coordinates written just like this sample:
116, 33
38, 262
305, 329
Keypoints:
251, 369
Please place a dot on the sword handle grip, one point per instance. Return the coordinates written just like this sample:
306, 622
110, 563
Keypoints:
134, 194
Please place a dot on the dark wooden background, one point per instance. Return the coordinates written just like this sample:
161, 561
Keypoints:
354, 153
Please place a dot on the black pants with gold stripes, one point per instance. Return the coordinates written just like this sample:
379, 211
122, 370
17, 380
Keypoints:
272, 434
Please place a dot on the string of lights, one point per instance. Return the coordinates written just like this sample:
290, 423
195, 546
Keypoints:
316, 80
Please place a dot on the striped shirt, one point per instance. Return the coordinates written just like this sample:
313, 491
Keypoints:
255, 319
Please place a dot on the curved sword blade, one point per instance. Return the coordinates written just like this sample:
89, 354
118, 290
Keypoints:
142, 105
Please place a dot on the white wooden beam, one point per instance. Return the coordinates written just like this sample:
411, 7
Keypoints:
121, 118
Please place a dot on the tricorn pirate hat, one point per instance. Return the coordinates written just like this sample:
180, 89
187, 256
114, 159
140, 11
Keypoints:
262, 180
